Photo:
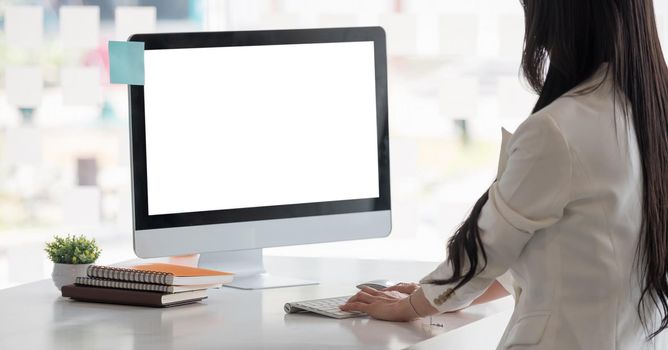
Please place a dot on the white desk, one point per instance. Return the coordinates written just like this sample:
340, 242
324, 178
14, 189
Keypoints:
34, 316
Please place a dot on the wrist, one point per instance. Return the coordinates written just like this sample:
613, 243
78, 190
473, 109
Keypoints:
408, 310
421, 304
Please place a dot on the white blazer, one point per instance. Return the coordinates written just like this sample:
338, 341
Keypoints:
563, 219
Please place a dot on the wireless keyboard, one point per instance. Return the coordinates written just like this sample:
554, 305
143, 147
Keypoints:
327, 307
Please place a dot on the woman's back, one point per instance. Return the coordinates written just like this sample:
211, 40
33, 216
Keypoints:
581, 270
579, 210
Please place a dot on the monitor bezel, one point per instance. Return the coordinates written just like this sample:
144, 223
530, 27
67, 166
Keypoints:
144, 221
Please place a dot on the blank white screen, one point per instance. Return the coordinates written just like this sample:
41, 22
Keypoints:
253, 126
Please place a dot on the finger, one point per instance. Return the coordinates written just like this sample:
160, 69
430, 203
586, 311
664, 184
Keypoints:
406, 288
399, 286
396, 287
355, 306
368, 296
370, 291
353, 298
363, 297
395, 295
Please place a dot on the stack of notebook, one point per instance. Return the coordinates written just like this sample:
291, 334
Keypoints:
155, 284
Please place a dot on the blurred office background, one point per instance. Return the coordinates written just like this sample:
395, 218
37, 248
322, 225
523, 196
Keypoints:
64, 152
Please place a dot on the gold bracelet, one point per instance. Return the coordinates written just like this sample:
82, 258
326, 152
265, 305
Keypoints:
413, 307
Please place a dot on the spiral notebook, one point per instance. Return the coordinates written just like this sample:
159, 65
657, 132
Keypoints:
161, 273
149, 287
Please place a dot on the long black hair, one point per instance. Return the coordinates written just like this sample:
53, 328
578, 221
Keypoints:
566, 42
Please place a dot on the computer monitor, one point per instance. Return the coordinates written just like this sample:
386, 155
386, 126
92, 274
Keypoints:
253, 139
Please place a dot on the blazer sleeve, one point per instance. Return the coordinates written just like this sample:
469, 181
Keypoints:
529, 195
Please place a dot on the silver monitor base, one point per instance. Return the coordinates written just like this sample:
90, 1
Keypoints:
248, 267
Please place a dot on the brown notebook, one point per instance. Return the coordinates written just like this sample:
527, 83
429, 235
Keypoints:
131, 297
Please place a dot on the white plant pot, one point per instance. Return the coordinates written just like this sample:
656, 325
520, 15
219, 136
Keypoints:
64, 274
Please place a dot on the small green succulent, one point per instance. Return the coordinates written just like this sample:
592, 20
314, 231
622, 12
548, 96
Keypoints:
72, 250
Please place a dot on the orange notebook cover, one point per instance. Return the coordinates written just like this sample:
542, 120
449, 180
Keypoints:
187, 275
179, 270
161, 273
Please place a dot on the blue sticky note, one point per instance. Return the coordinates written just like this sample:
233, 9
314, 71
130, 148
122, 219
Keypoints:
126, 62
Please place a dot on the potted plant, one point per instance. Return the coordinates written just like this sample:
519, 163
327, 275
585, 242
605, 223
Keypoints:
71, 256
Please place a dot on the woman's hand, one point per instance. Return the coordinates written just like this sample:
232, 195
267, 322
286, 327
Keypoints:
403, 287
382, 305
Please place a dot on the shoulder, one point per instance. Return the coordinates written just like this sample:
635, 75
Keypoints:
539, 133
581, 121
583, 111
537, 177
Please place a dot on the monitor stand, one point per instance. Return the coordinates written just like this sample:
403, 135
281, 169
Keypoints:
248, 267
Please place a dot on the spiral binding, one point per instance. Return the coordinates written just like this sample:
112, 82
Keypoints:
104, 283
131, 275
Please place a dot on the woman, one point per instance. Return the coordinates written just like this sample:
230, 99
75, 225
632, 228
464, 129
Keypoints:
579, 213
